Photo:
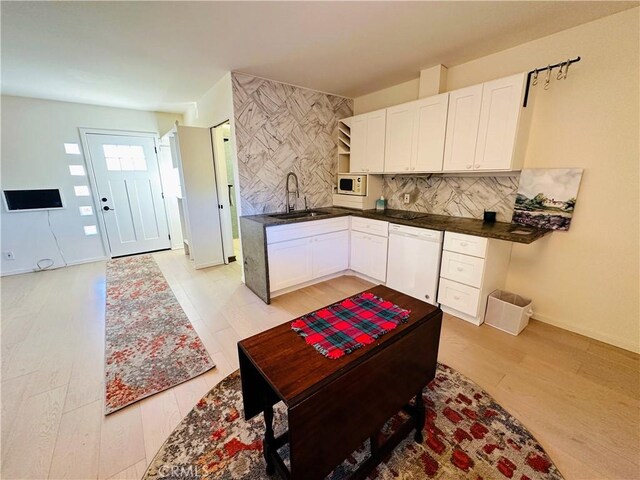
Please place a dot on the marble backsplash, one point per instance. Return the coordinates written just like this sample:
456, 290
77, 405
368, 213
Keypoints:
280, 128
453, 195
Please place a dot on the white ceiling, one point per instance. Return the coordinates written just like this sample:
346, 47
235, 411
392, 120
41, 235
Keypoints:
163, 55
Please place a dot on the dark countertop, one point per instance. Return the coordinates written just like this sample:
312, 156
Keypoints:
470, 226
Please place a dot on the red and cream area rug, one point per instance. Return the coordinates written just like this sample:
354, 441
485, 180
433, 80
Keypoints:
467, 436
150, 343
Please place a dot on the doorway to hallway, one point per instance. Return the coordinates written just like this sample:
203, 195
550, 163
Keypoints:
227, 189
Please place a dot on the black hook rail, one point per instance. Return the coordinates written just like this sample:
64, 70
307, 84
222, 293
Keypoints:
543, 69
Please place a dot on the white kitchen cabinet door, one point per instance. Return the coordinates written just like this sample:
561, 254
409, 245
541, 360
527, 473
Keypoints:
431, 126
462, 128
357, 158
400, 138
358, 259
290, 263
377, 255
369, 255
499, 116
330, 253
376, 129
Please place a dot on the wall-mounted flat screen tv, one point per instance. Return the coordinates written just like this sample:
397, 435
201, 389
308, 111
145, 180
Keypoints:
42, 199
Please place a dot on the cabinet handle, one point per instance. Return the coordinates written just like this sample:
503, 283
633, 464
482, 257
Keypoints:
478, 166
456, 297
468, 167
460, 269
406, 168
463, 244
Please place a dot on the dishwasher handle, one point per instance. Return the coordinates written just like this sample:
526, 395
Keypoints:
425, 236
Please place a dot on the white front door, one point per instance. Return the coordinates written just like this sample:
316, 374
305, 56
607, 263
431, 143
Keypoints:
130, 193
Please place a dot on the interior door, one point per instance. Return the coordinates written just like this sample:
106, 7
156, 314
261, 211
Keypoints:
128, 181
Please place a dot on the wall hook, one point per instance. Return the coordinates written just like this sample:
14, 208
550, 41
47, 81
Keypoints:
547, 81
534, 82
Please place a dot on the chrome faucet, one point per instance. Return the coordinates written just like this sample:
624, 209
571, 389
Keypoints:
292, 206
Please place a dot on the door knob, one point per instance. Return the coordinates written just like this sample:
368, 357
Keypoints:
106, 208
104, 199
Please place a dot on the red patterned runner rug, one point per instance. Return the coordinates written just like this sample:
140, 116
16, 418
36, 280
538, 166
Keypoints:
468, 436
150, 344
345, 326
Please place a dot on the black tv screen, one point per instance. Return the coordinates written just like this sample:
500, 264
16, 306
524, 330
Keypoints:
43, 199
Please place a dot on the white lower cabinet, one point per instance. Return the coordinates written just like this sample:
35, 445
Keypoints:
459, 296
295, 261
369, 250
471, 268
330, 253
290, 263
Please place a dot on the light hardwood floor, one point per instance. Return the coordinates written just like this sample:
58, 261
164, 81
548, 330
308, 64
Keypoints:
579, 397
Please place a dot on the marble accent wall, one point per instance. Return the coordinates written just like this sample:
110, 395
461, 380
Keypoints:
453, 195
280, 129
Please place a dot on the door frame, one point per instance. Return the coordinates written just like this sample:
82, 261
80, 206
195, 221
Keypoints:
220, 167
93, 183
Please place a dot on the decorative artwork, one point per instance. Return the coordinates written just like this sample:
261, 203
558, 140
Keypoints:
546, 198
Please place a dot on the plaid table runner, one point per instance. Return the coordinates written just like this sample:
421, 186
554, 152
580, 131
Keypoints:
343, 327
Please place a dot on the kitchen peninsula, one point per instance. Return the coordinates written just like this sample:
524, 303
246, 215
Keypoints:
327, 231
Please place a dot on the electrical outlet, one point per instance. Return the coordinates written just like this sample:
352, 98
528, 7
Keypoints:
8, 256
407, 198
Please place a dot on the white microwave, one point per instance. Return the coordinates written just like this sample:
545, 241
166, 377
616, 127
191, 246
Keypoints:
352, 184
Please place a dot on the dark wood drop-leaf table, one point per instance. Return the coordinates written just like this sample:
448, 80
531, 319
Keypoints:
334, 406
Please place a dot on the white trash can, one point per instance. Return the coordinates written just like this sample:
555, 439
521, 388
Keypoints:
508, 312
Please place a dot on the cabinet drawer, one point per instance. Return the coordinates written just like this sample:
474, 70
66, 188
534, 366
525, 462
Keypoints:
459, 297
466, 244
462, 268
281, 233
366, 225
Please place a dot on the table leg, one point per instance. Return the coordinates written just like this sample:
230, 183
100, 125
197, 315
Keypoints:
268, 439
420, 416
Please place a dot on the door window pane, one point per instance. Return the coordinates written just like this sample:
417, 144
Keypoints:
124, 157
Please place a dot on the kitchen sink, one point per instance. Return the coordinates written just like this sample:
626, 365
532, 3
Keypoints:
299, 214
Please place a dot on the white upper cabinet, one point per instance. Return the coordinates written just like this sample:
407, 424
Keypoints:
499, 121
415, 135
485, 127
462, 128
401, 126
482, 128
358, 144
367, 142
430, 133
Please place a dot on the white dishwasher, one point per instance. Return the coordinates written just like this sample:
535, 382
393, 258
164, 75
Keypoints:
413, 262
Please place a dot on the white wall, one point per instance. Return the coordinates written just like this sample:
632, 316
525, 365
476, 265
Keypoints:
214, 108
586, 279
33, 135
395, 95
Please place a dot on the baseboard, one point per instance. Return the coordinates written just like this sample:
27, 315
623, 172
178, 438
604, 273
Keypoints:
364, 277
293, 288
207, 265
69, 264
463, 316
623, 343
